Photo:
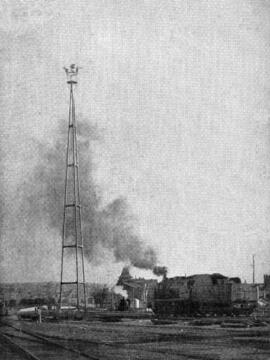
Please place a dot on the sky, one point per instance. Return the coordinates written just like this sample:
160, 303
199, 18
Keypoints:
179, 92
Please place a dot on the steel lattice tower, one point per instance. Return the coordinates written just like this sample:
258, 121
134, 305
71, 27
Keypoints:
72, 238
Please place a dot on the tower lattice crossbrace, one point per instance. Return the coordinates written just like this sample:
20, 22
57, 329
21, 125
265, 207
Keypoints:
72, 238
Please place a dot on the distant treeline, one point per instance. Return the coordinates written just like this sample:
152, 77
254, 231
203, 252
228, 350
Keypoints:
30, 302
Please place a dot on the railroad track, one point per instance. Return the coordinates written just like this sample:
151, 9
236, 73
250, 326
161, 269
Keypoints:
17, 343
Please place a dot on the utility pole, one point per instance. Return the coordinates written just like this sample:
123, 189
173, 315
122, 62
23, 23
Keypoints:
72, 239
253, 269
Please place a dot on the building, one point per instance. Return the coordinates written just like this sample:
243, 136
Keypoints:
246, 292
140, 292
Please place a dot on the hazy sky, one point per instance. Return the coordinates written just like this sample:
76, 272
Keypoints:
180, 93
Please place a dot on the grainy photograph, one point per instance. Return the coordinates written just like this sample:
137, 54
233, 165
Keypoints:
135, 179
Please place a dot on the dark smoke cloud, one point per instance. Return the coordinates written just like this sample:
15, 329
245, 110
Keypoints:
122, 239
111, 227
160, 270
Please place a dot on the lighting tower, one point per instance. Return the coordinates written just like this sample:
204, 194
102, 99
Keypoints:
72, 239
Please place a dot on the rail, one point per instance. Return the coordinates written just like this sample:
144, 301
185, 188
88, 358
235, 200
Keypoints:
18, 348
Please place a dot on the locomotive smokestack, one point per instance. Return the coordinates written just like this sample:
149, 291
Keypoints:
160, 271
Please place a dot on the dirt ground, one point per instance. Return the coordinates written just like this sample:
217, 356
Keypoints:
140, 339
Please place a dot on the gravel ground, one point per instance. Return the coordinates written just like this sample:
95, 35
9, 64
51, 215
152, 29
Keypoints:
142, 340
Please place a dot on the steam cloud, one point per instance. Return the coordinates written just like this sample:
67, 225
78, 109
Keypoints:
119, 290
110, 227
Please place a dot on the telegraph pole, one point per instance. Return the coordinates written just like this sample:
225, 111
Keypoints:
253, 269
72, 239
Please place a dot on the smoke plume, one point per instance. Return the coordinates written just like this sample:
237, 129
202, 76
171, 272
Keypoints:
110, 227
160, 270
